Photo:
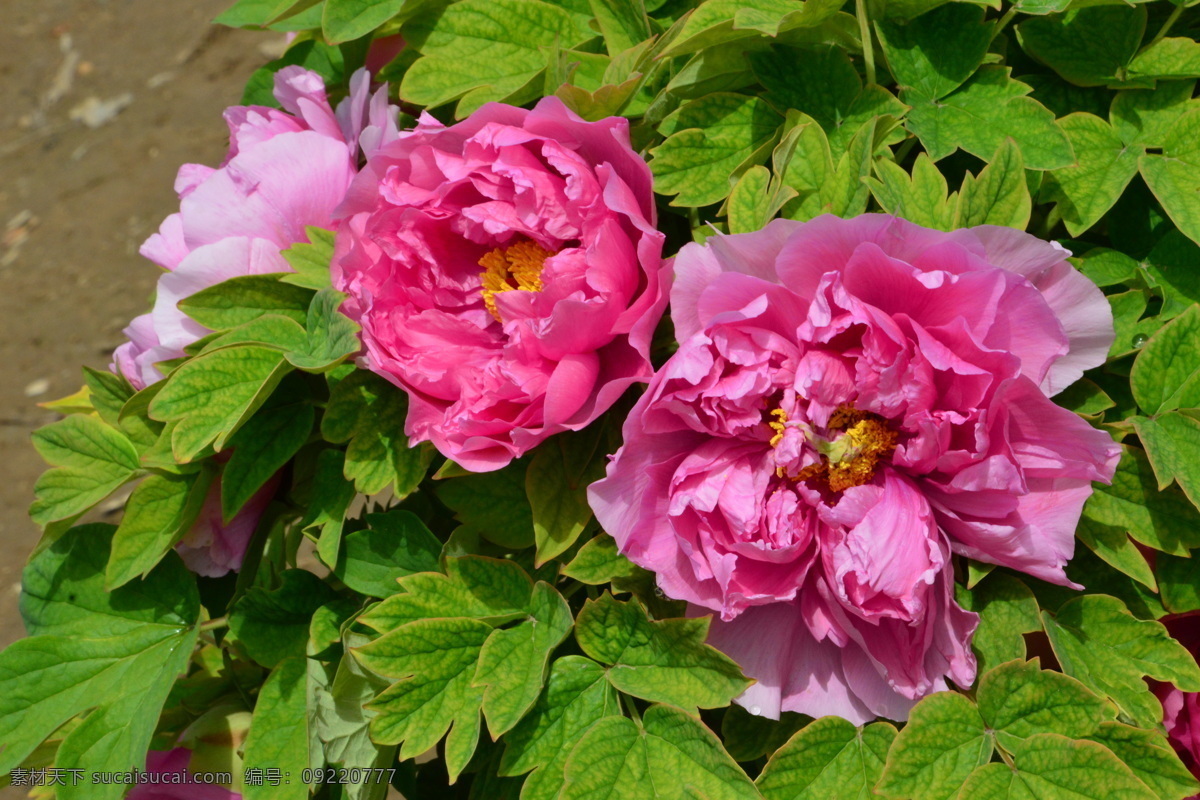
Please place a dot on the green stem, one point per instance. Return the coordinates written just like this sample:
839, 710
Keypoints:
1007, 18
864, 28
572, 589
1165, 28
905, 148
213, 624
631, 707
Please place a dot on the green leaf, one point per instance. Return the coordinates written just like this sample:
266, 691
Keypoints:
1163, 520
343, 20
272, 624
1104, 166
1173, 176
718, 21
1166, 373
1084, 398
944, 740
749, 737
1105, 267
1174, 266
710, 142
1099, 642
114, 653
481, 50
341, 722
396, 544
847, 194
998, 195
755, 200
1113, 546
577, 696
1131, 328
1040, 7
270, 330
213, 394
433, 662
90, 461
329, 499
244, 299
1019, 699
332, 336
1143, 117
278, 736
258, 13
1053, 766
556, 485
937, 52
490, 589
920, 198
262, 447
807, 166
1089, 46
1151, 758
493, 504
623, 23
1168, 58
599, 561
157, 515
1179, 582
828, 758
671, 756
824, 85
1007, 609
368, 412
978, 116
310, 260
1170, 441
107, 393
657, 660
512, 664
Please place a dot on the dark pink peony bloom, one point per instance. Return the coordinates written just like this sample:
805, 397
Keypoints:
171, 780
285, 170
853, 402
1181, 710
506, 273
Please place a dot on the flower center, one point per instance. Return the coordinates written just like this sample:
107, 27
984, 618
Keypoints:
848, 458
518, 266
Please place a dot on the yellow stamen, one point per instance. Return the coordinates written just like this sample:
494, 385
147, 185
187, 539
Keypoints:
779, 425
518, 266
849, 460
870, 440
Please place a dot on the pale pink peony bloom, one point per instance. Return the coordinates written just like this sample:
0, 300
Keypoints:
285, 170
506, 273
854, 401
213, 547
170, 779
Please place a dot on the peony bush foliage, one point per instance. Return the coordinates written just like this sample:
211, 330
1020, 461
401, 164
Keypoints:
578, 399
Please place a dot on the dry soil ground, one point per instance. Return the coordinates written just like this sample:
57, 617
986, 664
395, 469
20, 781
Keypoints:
100, 102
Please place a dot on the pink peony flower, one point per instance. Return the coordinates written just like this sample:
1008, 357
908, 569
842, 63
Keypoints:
1181, 710
285, 170
506, 273
170, 779
213, 547
853, 402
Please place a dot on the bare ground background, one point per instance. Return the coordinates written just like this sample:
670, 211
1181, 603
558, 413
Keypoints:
100, 102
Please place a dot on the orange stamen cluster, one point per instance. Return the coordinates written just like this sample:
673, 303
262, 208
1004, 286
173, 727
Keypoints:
868, 439
518, 266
